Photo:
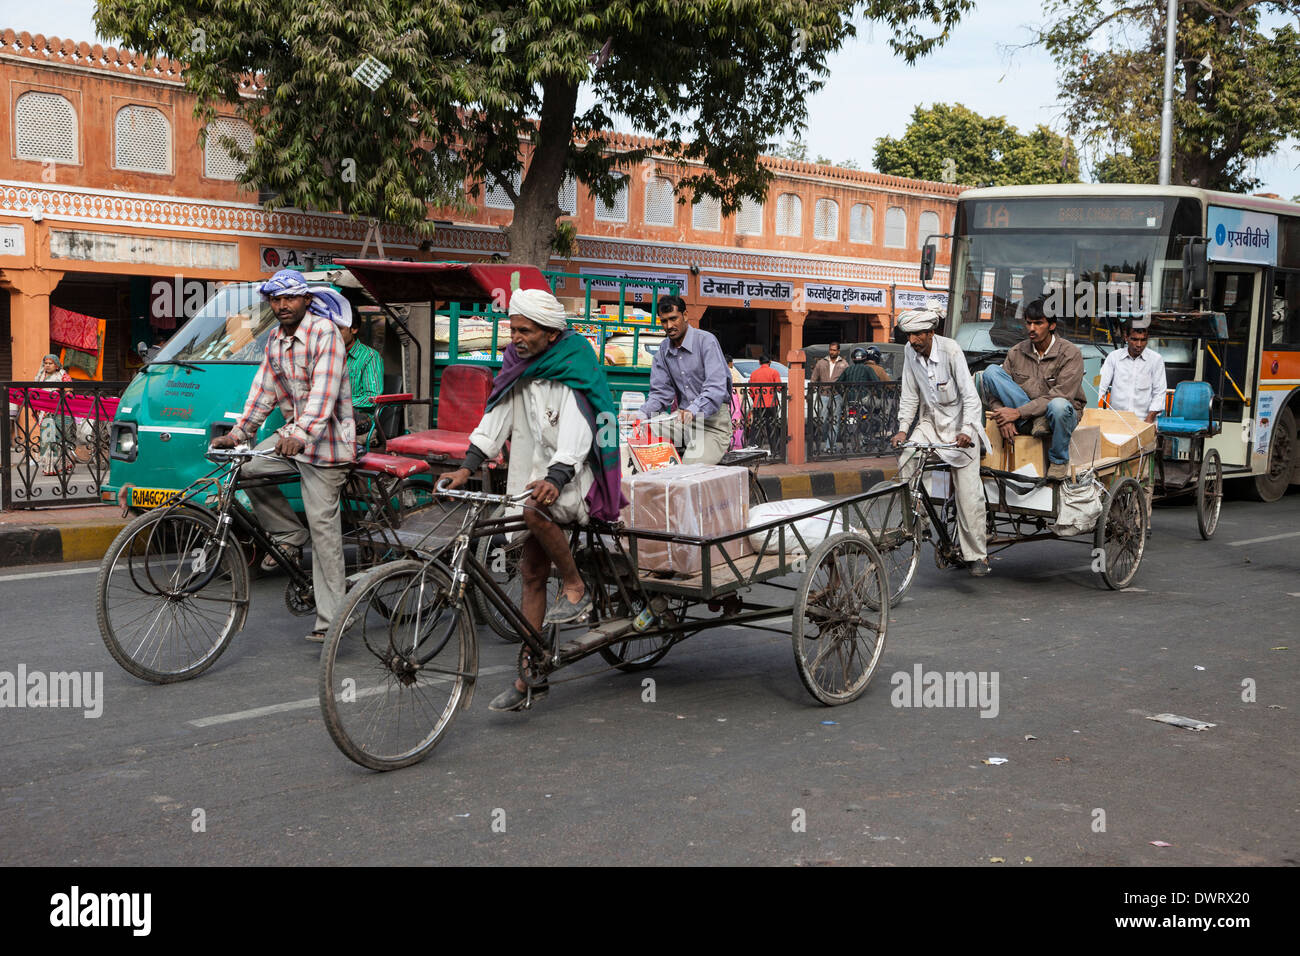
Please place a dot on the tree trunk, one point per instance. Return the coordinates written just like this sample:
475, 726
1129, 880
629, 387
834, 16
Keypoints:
538, 208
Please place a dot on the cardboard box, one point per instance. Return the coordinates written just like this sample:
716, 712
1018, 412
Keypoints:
1123, 434
1025, 452
703, 501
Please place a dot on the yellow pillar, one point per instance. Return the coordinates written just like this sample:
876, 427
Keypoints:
29, 316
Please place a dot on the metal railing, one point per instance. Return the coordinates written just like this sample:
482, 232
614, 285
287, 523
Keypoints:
54, 442
762, 418
850, 419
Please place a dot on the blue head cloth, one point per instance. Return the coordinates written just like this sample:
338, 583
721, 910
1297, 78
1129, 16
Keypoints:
328, 302
285, 282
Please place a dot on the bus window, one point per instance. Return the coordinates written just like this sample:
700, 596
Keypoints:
1285, 324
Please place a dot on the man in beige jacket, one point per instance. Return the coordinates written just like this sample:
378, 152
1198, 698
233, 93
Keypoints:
1038, 388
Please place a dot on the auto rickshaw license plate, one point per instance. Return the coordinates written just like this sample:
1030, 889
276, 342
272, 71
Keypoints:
152, 497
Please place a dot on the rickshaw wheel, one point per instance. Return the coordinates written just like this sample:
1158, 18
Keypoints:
1209, 494
151, 624
896, 534
1121, 534
399, 662
840, 616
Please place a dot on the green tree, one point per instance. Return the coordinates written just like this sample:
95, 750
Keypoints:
950, 143
1237, 85
714, 82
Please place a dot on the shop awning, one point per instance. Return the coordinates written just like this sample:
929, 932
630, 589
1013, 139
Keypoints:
392, 281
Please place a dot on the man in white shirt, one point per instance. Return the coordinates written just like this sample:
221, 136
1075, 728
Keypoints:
552, 403
937, 382
1135, 378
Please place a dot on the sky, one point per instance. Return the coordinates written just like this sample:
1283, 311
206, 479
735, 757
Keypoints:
870, 93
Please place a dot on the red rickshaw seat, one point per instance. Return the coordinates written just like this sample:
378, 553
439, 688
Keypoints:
436, 442
394, 465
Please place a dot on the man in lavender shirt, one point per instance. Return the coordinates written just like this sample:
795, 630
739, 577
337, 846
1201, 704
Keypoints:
690, 370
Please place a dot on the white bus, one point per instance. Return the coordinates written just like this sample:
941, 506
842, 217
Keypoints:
1104, 253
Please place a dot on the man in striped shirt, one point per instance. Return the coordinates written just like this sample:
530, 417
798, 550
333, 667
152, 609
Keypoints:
304, 372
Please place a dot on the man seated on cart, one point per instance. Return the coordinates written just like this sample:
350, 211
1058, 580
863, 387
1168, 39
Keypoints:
1133, 378
690, 369
552, 403
1038, 388
937, 383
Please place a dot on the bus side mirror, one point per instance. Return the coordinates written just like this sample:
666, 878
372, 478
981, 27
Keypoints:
927, 261
1196, 271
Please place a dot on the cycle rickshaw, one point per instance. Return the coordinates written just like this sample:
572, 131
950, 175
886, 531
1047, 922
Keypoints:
401, 658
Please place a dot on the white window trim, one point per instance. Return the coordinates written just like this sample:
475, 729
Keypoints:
76, 131
716, 206
213, 141
781, 217
171, 159
903, 243
601, 207
758, 208
825, 202
871, 233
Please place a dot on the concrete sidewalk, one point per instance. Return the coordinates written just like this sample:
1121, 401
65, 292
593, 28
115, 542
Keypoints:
84, 532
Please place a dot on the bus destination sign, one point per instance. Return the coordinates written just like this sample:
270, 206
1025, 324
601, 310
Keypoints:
994, 215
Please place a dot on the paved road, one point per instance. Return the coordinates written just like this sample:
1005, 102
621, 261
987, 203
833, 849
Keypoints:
733, 753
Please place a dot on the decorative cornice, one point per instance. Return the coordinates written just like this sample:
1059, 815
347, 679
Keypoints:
164, 212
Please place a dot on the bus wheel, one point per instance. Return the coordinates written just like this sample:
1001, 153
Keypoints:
1272, 485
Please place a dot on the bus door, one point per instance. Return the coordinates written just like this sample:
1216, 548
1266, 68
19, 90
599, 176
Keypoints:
1235, 291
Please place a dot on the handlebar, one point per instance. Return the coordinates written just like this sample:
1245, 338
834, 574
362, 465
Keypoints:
926, 444
240, 452
441, 489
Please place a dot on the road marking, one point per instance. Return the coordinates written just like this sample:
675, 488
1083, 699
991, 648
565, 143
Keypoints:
1271, 537
307, 703
48, 574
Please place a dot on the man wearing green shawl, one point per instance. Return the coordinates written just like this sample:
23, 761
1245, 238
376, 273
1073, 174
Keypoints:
552, 403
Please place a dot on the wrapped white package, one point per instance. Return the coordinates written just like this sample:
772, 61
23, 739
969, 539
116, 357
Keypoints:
813, 529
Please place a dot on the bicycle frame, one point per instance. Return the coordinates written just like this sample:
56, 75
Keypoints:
230, 512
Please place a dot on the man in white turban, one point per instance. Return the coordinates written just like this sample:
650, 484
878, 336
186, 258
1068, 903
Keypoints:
938, 385
552, 403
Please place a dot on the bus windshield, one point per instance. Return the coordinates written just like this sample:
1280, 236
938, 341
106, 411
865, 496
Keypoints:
232, 326
1094, 261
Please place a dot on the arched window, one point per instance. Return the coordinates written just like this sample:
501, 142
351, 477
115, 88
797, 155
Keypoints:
789, 215
927, 225
569, 196
706, 215
142, 140
659, 201
896, 227
826, 219
749, 218
617, 210
45, 127
217, 161
861, 223
495, 196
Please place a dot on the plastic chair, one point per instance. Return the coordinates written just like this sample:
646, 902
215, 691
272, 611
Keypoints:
1190, 414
